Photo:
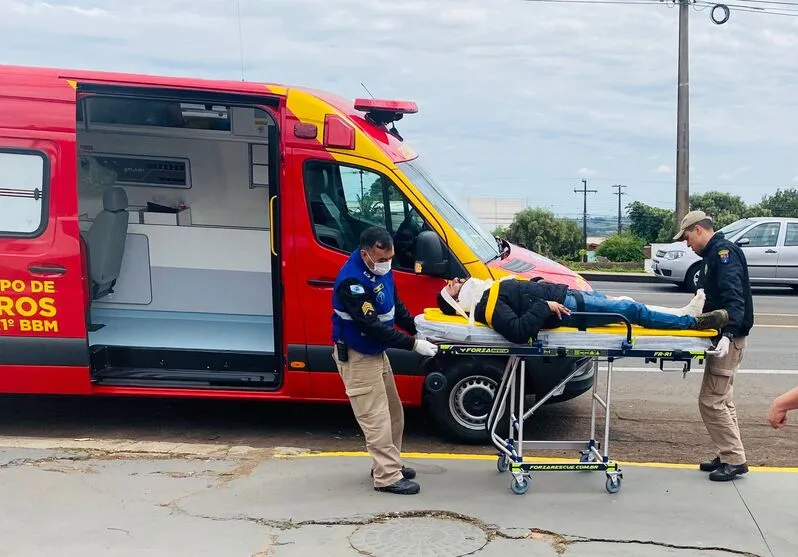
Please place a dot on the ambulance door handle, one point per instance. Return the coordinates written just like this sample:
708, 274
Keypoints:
324, 283
771, 251
46, 270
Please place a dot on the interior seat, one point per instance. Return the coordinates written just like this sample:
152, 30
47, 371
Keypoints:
106, 242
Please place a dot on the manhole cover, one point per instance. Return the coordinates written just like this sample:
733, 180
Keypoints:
411, 537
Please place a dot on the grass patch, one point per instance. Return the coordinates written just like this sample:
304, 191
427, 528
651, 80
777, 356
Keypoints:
608, 267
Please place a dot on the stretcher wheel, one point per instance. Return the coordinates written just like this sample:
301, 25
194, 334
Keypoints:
587, 456
519, 487
503, 464
613, 485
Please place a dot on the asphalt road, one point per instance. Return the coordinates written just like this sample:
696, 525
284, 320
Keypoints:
655, 414
772, 344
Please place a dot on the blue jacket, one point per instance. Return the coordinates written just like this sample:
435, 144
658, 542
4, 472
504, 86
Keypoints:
366, 308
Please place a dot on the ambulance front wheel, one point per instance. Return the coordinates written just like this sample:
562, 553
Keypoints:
460, 409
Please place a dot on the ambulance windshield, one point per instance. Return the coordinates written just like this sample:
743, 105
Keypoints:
481, 243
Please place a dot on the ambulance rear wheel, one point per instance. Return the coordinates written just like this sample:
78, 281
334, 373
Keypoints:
461, 408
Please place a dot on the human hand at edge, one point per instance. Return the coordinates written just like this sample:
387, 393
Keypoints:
777, 415
559, 309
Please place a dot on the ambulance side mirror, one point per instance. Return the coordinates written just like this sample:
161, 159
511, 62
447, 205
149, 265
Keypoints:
430, 258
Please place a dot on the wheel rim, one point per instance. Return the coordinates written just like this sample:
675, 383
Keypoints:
470, 401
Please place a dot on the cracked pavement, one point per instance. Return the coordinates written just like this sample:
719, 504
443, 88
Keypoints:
125, 500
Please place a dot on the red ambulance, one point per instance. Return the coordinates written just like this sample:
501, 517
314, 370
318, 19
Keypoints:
180, 237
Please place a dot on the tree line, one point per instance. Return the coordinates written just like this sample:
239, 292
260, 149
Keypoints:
558, 238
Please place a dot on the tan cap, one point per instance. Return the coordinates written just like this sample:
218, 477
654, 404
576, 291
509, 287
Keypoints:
691, 218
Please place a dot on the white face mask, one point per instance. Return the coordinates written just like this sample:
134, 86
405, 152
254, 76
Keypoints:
382, 268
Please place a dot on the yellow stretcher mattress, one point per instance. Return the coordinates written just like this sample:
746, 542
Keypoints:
435, 326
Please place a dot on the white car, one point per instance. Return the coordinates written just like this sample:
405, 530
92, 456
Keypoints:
770, 245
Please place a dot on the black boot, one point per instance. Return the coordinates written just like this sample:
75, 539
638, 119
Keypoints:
408, 473
712, 320
402, 487
727, 472
711, 466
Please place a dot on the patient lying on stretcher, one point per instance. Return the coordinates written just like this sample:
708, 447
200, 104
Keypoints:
517, 308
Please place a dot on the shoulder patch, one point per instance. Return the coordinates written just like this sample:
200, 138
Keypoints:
357, 289
723, 255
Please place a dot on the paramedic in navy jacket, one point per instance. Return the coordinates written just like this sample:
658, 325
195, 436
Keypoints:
365, 308
725, 281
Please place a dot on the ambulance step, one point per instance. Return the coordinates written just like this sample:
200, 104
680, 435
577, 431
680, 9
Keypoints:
184, 378
147, 367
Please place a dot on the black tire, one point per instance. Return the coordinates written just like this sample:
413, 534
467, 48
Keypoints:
471, 385
691, 278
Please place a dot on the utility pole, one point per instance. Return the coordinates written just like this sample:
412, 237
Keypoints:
683, 117
619, 193
584, 191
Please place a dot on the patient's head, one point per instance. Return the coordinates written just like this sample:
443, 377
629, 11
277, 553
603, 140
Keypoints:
453, 288
461, 296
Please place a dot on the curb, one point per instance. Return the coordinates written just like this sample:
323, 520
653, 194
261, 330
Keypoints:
621, 277
126, 446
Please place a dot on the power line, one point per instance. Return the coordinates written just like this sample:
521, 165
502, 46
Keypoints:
626, 2
771, 2
705, 3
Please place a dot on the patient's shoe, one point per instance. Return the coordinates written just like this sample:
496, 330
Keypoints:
712, 320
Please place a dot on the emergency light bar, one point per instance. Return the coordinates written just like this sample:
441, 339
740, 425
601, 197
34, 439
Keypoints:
382, 111
368, 105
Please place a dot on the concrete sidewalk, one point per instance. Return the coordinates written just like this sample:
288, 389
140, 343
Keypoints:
249, 503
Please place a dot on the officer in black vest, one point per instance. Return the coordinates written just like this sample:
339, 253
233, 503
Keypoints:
725, 281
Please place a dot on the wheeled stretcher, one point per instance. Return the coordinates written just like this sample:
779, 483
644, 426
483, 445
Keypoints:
456, 337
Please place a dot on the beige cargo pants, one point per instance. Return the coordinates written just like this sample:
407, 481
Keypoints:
716, 405
371, 389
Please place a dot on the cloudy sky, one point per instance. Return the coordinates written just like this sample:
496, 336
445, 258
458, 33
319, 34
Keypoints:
517, 98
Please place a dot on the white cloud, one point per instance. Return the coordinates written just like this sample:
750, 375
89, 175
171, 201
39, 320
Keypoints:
732, 174
664, 169
586, 172
511, 93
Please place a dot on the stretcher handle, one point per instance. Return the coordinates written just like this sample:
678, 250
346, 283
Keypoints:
604, 314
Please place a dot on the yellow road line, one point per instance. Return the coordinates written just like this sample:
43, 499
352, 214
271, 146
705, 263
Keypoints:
545, 460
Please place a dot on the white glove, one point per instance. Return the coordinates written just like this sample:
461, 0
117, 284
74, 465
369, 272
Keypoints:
425, 348
722, 348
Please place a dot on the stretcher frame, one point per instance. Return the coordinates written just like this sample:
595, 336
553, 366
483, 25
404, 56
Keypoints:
512, 391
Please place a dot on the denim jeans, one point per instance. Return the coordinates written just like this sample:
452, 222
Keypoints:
635, 312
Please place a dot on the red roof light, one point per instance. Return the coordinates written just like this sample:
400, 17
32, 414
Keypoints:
338, 133
381, 105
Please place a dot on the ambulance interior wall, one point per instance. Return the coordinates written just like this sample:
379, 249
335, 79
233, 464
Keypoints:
212, 258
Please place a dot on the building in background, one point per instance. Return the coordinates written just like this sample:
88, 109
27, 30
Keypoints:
493, 212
